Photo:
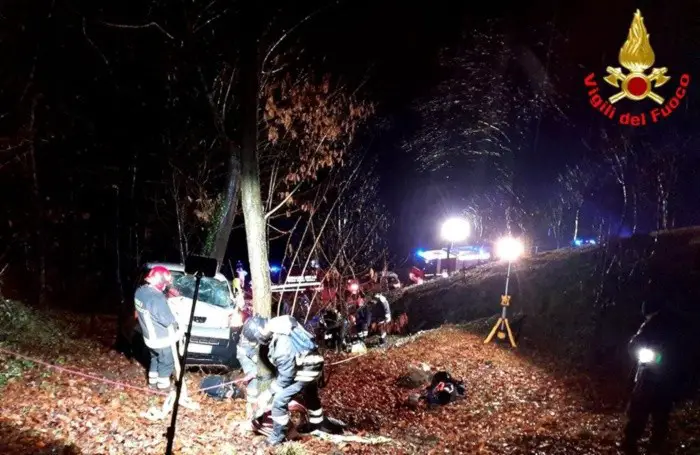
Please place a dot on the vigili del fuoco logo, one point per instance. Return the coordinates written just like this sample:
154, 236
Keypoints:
636, 56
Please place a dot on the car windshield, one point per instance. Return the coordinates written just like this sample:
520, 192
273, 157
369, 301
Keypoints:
211, 291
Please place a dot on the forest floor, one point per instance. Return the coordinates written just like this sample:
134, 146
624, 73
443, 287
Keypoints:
515, 403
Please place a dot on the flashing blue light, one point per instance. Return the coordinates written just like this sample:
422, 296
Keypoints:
274, 269
578, 242
592, 242
420, 253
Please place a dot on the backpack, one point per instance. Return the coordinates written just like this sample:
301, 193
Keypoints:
444, 389
302, 340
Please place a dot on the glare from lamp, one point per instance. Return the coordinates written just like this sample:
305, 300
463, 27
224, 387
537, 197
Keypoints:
509, 248
455, 230
645, 355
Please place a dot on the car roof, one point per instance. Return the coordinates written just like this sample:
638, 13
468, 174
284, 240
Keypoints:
173, 267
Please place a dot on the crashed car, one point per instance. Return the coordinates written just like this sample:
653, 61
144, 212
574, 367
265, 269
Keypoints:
216, 323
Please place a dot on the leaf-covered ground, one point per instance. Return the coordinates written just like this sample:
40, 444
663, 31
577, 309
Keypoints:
514, 406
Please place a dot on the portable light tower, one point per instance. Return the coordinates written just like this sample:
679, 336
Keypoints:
509, 249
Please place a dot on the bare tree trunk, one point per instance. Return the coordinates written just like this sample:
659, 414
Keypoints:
576, 218
251, 197
40, 243
227, 210
181, 238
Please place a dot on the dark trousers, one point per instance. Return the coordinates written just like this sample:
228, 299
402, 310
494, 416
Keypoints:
653, 400
161, 367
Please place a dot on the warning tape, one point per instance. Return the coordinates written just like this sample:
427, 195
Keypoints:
109, 381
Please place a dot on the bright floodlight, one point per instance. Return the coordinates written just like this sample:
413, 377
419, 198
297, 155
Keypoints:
455, 230
646, 355
509, 248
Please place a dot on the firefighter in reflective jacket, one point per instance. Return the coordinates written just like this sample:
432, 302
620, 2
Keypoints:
247, 355
382, 310
377, 309
158, 324
294, 355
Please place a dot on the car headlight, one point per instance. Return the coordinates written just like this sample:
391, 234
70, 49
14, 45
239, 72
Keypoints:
646, 355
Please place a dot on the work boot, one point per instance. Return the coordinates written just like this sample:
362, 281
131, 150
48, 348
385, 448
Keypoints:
326, 426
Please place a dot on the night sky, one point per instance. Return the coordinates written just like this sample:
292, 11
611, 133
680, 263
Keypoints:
105, 91
396, 44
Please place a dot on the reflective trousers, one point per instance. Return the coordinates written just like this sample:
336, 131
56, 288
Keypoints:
161, 367
280, 407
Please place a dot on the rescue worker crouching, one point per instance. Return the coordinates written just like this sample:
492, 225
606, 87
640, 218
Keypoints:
247, 352
293, 353
664, 374
158, 324
378, 309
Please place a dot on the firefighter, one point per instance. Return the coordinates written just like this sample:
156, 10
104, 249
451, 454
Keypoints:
241, 273
247, 355
158, 324
663, 374
416, 275
336, 326
363, 319
382, 311
293, 353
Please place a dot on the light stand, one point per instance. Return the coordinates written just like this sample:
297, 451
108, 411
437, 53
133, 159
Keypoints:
199, 267
502, 326
178, 383
449, 247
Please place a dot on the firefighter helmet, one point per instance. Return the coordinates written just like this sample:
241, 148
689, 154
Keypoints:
159, 277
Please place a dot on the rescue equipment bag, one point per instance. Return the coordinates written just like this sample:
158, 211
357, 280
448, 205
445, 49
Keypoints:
444, 389
215, 388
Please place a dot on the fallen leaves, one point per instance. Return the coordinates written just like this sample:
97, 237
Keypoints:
513, 406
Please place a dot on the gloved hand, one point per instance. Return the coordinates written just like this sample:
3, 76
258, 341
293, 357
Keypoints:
388, 318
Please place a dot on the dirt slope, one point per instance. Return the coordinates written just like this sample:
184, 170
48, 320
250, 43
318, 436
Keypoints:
578, 304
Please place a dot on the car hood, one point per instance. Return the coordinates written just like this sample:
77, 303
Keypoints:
206, 315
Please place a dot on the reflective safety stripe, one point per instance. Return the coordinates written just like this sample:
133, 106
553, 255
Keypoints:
308, 373
282, 420
163, 383
307, 376
152, 374
316, 420
316, 412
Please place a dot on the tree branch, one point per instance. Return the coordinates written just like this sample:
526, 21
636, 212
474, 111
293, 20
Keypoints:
149, 25
281, 204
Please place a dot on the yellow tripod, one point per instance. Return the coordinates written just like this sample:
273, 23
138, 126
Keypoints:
502, 326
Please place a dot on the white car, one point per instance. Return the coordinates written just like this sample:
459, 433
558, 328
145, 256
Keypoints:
214, 335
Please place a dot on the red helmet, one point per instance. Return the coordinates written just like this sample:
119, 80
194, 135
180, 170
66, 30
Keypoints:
159, 277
